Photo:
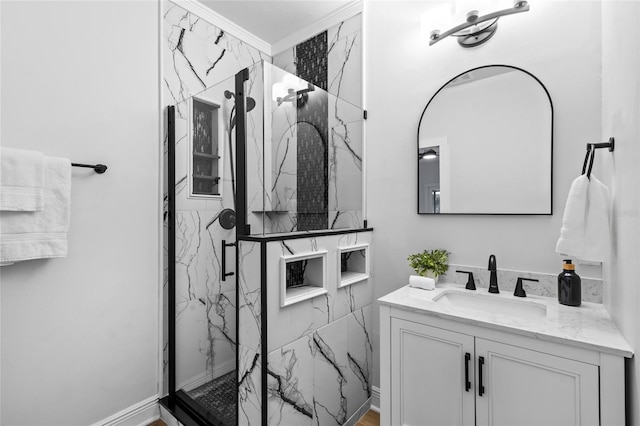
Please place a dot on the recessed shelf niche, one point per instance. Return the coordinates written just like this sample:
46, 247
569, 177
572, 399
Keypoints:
302, 277
353, 264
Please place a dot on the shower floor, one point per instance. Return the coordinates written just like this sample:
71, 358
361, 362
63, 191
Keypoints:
219, 396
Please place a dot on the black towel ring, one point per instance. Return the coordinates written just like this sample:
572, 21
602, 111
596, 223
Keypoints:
593, 156
586, 158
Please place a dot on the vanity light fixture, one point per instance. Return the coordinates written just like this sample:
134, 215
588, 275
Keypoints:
477, 29
428, 155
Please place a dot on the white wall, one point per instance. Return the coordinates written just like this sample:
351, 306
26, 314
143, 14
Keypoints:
80, 334
403, 72
620, 114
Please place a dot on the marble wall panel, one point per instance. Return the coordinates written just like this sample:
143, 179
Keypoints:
359, 358
198, 255
345, 60
345, 157
324, 377
197, 54
290, 384
249, 295
294, 321
249, 387
249, 334
191, 341
330, 369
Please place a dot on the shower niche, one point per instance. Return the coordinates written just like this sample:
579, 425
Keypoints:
240, 298
354, 264
302, 277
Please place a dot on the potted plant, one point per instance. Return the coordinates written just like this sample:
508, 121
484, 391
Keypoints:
431, 263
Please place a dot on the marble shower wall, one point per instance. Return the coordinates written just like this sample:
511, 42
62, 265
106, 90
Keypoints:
331, 60
199, 56
345, 123
319, 349
251, 334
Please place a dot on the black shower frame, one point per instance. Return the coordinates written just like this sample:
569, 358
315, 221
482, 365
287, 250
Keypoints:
179, 403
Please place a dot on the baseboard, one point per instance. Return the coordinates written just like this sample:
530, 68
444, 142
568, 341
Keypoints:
358, 413
375, 399
140, 414
199, 380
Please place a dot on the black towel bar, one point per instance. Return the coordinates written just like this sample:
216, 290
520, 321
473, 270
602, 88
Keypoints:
591, 154
98, 168
610, 145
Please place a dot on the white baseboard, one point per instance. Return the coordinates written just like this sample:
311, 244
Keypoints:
375, 399
140, 414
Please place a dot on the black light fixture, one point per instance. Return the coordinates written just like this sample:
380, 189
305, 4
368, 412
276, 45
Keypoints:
477, 29
300, 97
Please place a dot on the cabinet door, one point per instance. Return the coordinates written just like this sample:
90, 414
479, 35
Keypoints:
428, 380
525, 387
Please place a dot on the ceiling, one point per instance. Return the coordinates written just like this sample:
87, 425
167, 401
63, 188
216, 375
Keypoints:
272, 21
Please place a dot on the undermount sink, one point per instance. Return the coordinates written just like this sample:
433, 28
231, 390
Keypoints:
492, 303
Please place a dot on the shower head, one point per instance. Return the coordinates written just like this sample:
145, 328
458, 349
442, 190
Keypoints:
251, 103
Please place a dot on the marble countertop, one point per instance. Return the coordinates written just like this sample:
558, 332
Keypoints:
588, 326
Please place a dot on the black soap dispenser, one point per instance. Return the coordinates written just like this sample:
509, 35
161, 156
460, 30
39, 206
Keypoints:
569, 285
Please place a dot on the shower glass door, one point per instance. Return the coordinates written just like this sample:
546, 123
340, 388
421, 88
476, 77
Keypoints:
205, 358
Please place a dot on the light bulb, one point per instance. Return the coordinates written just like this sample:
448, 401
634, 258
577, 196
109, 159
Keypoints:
278, 91
436, 19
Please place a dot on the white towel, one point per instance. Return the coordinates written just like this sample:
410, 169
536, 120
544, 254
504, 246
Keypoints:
21, 180
586, 232
40, 234
425, 283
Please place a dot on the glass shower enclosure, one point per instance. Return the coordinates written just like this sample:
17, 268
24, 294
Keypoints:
260, 153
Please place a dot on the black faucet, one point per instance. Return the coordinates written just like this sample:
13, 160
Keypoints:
493, 279
471, 283
519, 291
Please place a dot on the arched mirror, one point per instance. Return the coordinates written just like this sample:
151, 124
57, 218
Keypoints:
485, 145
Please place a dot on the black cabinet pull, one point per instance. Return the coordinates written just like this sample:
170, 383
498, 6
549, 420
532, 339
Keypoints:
467, 383
480, 386
224, 273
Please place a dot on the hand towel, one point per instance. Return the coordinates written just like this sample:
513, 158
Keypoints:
21, 180
597, 235
40, 234
585, 232
425, 283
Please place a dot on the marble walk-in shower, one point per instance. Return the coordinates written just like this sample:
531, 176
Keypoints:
290, 173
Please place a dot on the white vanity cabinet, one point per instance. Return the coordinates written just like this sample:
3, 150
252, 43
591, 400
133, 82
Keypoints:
440, 370
527, 387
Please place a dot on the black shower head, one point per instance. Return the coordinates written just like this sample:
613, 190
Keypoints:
251, 103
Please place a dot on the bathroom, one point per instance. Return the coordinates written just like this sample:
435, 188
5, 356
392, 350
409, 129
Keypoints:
83, 337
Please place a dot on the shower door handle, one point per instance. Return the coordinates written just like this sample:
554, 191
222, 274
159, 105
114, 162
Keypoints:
224, 273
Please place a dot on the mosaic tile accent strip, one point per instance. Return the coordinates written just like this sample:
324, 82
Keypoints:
313, 135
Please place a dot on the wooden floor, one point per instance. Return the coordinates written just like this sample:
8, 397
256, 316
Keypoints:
371, 418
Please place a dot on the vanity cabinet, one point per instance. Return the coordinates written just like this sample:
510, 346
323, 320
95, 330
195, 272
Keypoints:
428, 379
527, 387
437, 371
